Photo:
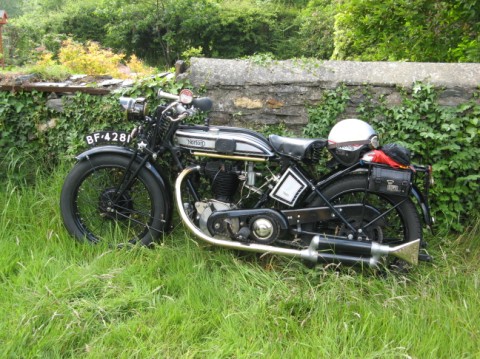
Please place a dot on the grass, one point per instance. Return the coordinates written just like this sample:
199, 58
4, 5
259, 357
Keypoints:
61, 299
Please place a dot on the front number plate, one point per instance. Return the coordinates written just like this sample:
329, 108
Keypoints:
102, 137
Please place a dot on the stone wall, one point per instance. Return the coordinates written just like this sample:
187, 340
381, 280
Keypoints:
246, 93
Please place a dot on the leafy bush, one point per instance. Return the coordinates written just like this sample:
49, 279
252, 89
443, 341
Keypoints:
315, 29
395, 30
48, 69
323, 116
89, 59
33, 132
160, 31
446, 137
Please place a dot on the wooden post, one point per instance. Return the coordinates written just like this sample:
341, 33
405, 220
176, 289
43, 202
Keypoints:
1, 49
3, 21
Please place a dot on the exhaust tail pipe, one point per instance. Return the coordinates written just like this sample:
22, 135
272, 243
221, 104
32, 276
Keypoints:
364, 253
407, 251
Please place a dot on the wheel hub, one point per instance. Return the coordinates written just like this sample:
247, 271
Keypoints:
114, 209
372, 233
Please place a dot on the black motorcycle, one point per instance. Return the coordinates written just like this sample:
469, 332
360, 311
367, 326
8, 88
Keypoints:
235, 188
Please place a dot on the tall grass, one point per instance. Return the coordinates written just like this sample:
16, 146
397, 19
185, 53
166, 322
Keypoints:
61, 299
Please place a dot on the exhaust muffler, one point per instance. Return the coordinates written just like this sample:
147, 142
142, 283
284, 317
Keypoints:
354, 253
366, 253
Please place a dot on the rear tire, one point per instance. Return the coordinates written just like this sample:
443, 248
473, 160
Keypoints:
91, 212
400, 225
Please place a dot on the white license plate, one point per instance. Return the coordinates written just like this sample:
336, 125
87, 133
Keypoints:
102, 137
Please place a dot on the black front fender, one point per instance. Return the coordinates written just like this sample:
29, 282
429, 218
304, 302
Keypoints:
160, 177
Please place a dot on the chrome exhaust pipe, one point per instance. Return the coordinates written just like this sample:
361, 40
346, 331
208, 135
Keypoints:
407, 251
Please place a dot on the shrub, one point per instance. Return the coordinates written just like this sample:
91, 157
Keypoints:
446, 137
395, 30
48, 69
30, 130
89, 59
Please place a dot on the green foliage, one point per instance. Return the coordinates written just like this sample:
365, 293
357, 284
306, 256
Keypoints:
47, 69
261, 59
446, 137
30, 130
322, 117
161, 31
395, 30
12, 7
316, 25
244, 29
20, 116
279, 129
192, 52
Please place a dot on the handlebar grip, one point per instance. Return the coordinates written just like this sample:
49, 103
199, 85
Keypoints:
202, 103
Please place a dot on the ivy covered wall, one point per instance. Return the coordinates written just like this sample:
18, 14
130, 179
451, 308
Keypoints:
432, 109
262, 90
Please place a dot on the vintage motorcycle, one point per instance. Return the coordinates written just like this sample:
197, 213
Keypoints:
238, 189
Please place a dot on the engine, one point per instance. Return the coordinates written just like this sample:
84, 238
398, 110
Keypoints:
220, 216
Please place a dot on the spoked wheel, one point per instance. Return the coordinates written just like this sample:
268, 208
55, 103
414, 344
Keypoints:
393, 220
97, 206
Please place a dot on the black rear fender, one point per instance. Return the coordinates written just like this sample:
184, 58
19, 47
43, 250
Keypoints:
422, 203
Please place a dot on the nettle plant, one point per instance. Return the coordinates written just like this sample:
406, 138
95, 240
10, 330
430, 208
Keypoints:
448, 137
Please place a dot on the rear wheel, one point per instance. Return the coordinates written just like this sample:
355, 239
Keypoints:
395, 219
93, 208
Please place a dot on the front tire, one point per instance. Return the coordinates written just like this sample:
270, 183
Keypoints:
92, 209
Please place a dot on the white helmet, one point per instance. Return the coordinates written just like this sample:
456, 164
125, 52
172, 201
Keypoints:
350, 138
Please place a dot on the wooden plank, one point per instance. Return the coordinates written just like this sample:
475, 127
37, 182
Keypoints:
56, 89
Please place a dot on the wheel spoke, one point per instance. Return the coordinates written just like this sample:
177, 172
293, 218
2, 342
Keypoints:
117, 220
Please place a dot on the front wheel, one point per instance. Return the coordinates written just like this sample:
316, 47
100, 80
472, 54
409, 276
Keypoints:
393, 220
96, 205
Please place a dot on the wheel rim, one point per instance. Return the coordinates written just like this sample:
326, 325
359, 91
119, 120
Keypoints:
103, 218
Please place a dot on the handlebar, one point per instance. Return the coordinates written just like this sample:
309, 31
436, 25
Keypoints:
201, 103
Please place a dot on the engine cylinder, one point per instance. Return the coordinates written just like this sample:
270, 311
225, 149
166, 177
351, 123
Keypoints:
224, 180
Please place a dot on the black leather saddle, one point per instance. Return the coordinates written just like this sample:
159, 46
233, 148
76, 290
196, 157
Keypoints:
298, 148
